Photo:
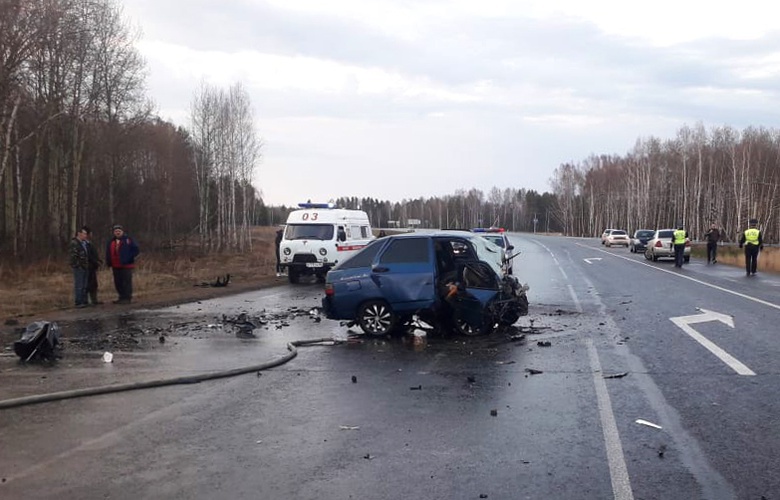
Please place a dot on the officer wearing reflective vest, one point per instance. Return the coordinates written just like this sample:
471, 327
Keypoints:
753, 243
679, 237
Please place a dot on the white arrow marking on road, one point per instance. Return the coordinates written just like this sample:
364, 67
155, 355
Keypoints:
684, 323
592, 258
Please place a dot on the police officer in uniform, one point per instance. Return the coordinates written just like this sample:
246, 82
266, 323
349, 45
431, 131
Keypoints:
678, 242
753, 242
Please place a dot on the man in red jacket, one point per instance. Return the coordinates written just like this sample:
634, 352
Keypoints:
121, 252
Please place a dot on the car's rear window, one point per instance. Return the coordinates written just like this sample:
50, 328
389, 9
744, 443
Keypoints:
665, 234
498, 240
644, 234
618, 233
363, 258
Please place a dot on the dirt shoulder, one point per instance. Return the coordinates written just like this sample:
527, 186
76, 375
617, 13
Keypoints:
149, 300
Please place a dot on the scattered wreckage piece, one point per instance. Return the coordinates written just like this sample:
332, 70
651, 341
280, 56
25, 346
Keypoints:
39, 341
221, 281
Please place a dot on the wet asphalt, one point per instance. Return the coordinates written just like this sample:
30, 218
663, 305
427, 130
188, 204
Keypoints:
547, 409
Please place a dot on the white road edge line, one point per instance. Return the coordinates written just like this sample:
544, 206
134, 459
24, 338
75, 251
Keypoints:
618, 472
716, 287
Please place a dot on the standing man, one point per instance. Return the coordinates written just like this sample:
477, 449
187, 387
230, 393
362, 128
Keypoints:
79, 263
277, 243
678, 242
121, 252
713, 237
753, 243
94, 265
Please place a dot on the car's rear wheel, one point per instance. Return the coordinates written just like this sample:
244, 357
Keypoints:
376, 318
648, 255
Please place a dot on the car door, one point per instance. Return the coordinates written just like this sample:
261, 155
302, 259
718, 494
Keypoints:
404, 274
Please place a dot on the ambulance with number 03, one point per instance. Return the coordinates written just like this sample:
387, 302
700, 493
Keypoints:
319, 236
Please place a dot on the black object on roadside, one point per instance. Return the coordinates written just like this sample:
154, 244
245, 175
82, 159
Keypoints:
38, 342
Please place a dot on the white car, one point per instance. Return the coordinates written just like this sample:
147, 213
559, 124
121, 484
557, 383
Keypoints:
660, 246
498, 237
617, 237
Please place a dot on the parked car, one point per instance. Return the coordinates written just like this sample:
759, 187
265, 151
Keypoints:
660, 246
605, 234
640, 239
451, 280
617, 237
499, 237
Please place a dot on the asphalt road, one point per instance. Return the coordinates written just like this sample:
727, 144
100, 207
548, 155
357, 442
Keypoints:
646, 391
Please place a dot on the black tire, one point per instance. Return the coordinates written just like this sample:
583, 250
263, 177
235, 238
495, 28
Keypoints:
687, 259
648, 256
376, 318
293, 276
655, 258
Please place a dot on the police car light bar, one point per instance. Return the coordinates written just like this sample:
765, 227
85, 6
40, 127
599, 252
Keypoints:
488, 230
316, 205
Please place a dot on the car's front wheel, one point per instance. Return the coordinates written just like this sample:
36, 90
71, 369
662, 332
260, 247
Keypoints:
376, 318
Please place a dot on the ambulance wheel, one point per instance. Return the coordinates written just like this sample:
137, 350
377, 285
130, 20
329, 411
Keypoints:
292, 275
376, 318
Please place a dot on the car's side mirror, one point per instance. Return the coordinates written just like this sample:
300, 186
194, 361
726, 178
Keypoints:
510, 247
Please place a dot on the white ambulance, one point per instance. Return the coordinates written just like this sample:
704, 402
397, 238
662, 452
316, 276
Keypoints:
319, 236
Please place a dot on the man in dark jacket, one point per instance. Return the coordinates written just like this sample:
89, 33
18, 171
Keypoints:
79, 263
121, 252
713, 237
277, 245
94, 264
753, 241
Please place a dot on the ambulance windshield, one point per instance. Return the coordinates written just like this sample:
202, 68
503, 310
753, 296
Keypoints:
322, 232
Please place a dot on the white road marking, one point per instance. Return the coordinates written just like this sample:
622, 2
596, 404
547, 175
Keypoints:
589, 261
684, 323
716, 287
577, 304
560, 267
618, 472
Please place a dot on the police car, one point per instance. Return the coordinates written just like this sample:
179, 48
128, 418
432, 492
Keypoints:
498, 237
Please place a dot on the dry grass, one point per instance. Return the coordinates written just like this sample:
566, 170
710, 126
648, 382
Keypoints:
768, 259
48, 285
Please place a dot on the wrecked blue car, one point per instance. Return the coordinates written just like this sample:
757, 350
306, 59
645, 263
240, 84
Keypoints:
451, 280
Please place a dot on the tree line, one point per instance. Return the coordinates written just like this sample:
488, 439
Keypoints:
721, 175
80, 144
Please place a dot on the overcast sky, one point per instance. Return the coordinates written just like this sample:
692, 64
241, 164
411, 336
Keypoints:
397, 99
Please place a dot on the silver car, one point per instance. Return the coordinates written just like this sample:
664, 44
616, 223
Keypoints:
660, 246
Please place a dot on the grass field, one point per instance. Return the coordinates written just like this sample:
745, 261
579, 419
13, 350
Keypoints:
48, 285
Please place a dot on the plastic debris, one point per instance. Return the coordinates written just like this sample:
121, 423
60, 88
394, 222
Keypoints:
349, 427
544, 343
354, 379
108, 357
649, 424
493, 413
616, 375
533, 371
418, 388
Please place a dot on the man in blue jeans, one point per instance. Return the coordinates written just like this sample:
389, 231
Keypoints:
79, 263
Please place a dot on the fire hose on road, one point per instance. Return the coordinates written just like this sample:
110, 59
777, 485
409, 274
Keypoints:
189, 379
